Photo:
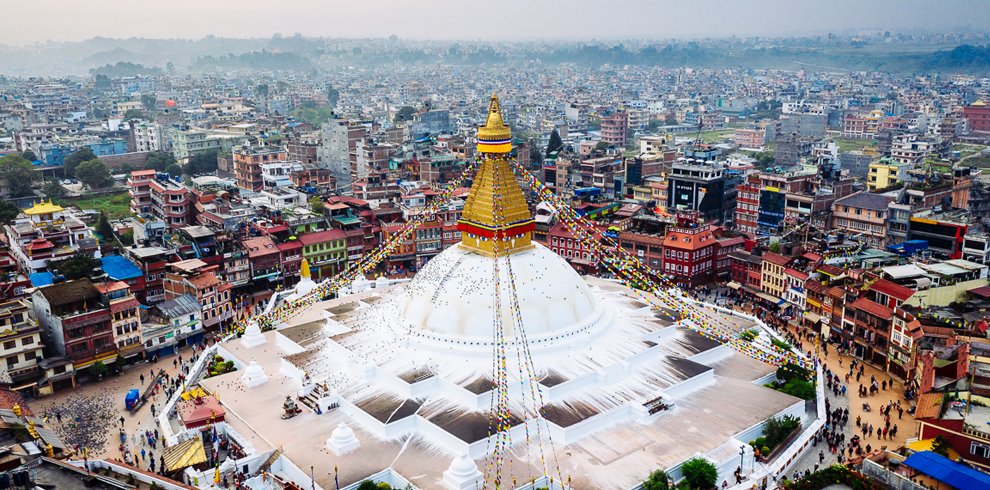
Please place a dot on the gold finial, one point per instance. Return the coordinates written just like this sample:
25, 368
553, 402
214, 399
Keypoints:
17, 410
494, 136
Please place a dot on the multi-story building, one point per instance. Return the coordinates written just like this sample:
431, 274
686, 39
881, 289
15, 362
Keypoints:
863, 216
908, 149
703, 189
689, 254
884, 173
145, 136
139, 188
171, 201
170, 322
325, 251
870, 334
750, 139
248, 161
48, 233
152, 262
614, 128
263, 259
189, 142
125, 317
977, 115
20, 344
75, 322
773, 276
195, 277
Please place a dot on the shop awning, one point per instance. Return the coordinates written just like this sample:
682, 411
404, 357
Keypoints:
812, 317
186, 453
773, 299
734, 285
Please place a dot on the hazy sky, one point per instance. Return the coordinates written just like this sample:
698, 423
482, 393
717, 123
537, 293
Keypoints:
29, 21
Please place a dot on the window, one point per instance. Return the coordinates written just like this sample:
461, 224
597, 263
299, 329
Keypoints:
975, 448
27, 341
28, 356
11, 361
10, 344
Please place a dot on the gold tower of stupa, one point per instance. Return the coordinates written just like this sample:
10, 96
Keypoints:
481, 223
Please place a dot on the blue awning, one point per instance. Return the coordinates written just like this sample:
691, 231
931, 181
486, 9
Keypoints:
947, 471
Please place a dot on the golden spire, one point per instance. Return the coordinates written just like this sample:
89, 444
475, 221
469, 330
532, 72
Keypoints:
304, 269
494, 136
496, 209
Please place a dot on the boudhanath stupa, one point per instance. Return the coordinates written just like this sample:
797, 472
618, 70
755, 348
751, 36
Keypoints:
395, 379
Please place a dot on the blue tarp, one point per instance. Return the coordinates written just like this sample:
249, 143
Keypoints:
119, 268
39, 279
132, 397
947, 471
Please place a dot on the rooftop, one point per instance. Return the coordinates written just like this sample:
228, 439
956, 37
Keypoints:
865, 200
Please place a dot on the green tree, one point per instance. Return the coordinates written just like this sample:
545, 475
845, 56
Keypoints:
202, 163
8, 211
133, 114
76, 267
160, 160
127, 239
405, 113
657, 481
98, 369
173, 170
72, 161
93, 173
103, 227
29, 156
699, 473
940, 446
149, 101
601, 146
101, 81
555, 143
53, 189
19, 174
333, 96
775, 247
316, 204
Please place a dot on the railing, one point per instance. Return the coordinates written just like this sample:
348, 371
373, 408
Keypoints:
973, 431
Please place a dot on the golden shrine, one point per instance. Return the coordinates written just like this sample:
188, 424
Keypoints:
481, 223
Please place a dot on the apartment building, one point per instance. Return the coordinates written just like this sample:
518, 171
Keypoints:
864, 216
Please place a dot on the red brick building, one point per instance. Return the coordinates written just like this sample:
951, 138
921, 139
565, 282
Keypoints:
689, 255
75, 322
978, 116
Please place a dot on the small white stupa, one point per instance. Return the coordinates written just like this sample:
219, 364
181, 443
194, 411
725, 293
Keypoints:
252, 336
254, 375
360, 284
463, 474
306, 283
342, 440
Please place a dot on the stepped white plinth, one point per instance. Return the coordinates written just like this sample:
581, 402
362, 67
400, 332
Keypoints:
254, 375
252, 336
342, 440
463, 474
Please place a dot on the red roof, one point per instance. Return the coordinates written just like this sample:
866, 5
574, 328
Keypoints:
9, 398
873, 308
260, 246
692, 240
322, 236
775, 258
790, 271
892, 289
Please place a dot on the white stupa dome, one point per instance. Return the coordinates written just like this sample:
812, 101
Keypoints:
452, 298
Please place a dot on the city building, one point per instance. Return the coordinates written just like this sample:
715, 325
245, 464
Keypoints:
20, 346
48, 233
614, 128
863, 216
76, 323
195, 277
248, 161
689, 254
